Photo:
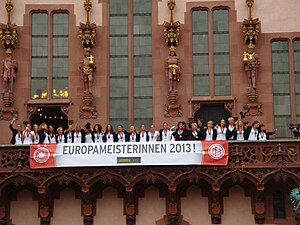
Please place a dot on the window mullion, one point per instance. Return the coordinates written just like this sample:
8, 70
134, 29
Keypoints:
50, 56
130, 64
211, 53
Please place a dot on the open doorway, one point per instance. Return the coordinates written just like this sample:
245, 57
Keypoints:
51, 115
214, 112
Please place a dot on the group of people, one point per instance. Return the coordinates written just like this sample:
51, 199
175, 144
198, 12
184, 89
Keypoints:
232, 130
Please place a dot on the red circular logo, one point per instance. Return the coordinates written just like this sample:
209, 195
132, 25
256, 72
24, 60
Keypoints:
216, 151
41, 155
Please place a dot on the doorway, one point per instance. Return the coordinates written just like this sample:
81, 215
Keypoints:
214, 112
51, 115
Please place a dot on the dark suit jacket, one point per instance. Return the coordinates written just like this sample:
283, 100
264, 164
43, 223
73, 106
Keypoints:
42, 135
232, 133
14, 133
182, 137
193, 137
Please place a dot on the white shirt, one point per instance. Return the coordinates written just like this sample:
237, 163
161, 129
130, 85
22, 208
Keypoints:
209, 134
143, 136
52, 138
27, 138
109, 138
98, 137
253, 135
18, 138
69, 137
221, 133
166, 135
61, 139
36, 138
121, 137
262, 136
240, 135
153, 137
88, 138
77, 137
132, 137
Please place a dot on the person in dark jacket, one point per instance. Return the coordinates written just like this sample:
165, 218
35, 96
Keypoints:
16, 138
180, 134
264, 134
133, 136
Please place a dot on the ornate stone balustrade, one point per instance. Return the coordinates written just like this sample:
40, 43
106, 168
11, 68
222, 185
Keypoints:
253, 165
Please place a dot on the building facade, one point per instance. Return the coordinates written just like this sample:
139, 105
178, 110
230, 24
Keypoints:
112, 62
129, 83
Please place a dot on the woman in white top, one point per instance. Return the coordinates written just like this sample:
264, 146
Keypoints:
98, 134
153, 134
89, 136
221, 130
133, 135
251, 133
144, 137
35, 134
120, 136
78, 135
109, 134
240, 130
27, 137
51, 135
60, 138
69, 134
210, 132
165, 133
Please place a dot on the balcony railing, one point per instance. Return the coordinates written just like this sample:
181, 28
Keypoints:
245, 154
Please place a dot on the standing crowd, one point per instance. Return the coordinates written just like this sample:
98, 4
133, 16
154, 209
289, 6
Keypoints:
232, 130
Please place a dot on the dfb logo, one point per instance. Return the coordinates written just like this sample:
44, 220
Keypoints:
41, 155
216, 151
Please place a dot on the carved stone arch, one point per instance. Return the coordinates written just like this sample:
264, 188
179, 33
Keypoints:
193, 179
284, 176
240, 178
14, 186
97, 187
142, 185
61, 182
105, 177
19, 182
243, 179
152, 177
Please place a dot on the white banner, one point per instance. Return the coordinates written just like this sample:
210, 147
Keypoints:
129, 154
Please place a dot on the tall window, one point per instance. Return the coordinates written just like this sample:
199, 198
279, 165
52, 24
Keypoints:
297, 76
200, 52
118, 37
142, 39
221, 52
218, 39
278, 206
130, 68
281, 87
49, 70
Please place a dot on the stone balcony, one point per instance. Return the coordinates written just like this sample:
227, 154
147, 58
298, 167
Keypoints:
254, 159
